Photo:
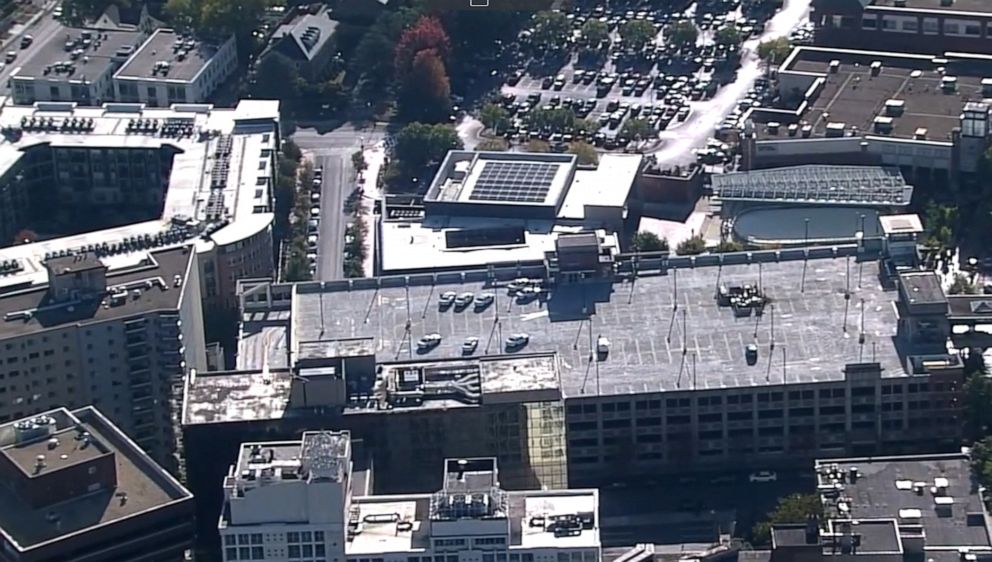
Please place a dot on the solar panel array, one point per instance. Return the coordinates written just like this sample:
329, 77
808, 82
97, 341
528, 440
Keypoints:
870, 185
517, 182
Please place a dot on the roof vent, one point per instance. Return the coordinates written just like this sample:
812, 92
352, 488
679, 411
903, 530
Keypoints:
39, 463
53, 443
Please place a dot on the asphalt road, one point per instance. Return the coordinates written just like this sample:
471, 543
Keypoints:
332, 150
42, 31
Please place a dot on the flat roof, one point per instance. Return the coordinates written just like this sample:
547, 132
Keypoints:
852, 96
148, 487
885, 486
95, 60
609, 185
976, 6
64, 451
160, 270
654, 346
236, 396
186, 57
922, 287
230, 145
502, 178
820, 184
901, 224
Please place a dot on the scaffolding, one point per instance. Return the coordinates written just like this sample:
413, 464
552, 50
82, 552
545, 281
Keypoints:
831, 185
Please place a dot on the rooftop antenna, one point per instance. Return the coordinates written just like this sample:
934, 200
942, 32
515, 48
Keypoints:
430, 295
861, 263
678, 382
694, 353
635, 263
802, 282
861, 335
320, 296
675, 304
783, 364
847, 293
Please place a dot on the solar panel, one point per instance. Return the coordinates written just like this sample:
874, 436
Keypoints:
518, 182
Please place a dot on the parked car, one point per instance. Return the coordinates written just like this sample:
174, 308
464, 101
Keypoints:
26, 41
763, 476
428, 342
11, 55
469, 345
446, 299
516, 341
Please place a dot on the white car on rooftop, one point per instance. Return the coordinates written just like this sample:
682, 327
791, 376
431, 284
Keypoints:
428, 342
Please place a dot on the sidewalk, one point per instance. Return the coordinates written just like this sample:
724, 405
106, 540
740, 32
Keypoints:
375, 157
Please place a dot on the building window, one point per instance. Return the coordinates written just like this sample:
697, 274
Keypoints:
951, 28
910, 25
931, 26
888, 24
231, 553
869, 22
294, 551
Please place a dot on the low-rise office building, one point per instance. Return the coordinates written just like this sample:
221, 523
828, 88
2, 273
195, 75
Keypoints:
74, 487
300, 500
172, 68
913, 26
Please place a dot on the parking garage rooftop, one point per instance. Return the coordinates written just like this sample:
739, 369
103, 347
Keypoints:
666, 330
911, 97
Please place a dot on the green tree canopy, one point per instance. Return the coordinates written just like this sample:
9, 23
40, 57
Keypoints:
691, 246
637, 129
538, 145
645, 241
556, 118
419, 144
727, 35
682, 32
494, 117
728, 246
594, 32
550, 30
795, 508
978, 404
585, 152
637, 33
774, 51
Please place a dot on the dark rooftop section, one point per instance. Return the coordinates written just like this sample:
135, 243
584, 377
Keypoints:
922, 288
654, 345
141, 486
78, 262
304, 37
978, 6
97, 55
938, 492
971, 307
186, 57
131, 291
855, 97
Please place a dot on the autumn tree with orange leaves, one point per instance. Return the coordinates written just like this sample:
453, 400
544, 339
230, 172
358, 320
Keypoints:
420, 61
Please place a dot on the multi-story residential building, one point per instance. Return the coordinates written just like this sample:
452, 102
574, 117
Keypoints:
74, 488
599, 367
122, 178
172, 68
75, 65
299, 500
119, 337
913, 26
924, 114
925, 507
304, 42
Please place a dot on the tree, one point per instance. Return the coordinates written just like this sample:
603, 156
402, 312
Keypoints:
977, 402
682, 32
727, 35
224, 17
419, 144
585, 152
427, 90
795, 508
358, 160
637, 33
493, 117
550, 30
637, 129
940, 221
691, 246
78, 11
538, 145
275, 80
594, 32
557, 118
426, 34
728, 246
182, 14
645, 241
774, 51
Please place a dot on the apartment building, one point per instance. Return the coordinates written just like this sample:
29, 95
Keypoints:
926, 507
74, 487
913, 26
124, 178
300, 500
173, 68
120, 337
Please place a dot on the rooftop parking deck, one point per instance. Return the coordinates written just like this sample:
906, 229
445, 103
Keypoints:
666, 331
